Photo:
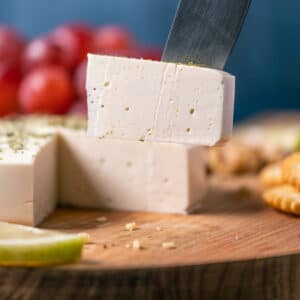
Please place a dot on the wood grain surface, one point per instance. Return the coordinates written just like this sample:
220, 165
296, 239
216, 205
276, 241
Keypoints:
235, 248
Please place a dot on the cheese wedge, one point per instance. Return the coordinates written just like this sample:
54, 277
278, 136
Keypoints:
145, 100
49, 161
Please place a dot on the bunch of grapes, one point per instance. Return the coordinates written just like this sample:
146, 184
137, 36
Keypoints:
47, 74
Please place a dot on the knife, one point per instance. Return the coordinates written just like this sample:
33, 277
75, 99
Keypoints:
204, 31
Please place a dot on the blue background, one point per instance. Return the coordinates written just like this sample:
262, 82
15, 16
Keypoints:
266, 58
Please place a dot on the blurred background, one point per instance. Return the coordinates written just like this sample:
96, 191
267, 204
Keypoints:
265, 60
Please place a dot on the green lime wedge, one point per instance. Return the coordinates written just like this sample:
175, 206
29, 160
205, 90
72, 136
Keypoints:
27, 246
297, 144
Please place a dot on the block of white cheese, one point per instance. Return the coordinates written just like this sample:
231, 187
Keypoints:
130, 175
44, 161
147, 100
27, 172
28, 166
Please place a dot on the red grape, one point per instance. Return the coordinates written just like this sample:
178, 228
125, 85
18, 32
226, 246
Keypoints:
10, 77
40, 52
11, 45
133, 52
74, 41
113, 40
46, 89
153, 53
79, 108
79, 79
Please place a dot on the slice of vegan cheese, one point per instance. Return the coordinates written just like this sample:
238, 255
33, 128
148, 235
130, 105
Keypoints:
130, 175
45, 160
146, 100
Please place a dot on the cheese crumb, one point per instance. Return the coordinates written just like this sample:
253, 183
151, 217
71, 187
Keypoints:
168, 245
131, 226
136, 245
101, 219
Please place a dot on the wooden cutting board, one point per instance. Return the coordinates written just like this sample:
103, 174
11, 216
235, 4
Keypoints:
235, 248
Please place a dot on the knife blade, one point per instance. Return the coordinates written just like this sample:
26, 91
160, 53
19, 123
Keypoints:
204, 31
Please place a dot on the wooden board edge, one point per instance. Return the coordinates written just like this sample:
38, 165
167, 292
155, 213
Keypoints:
267, 278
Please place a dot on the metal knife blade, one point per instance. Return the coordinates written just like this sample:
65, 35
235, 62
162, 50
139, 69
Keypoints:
205, 31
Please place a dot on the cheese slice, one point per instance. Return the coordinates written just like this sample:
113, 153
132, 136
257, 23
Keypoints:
130, 175
146, 100
44, 161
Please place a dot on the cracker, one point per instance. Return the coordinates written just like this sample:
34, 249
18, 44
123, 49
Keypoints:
234, 158
291, 170
284, 197
271, 175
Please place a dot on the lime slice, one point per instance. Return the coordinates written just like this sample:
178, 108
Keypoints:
27, 246
297, 144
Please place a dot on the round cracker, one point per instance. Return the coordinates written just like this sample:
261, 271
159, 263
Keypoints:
285, 198
271, 175
291, 170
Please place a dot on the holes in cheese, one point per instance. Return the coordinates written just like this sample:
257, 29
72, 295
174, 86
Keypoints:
162, 96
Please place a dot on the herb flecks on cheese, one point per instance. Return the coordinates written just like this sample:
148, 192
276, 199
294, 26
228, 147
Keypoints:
25, 135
